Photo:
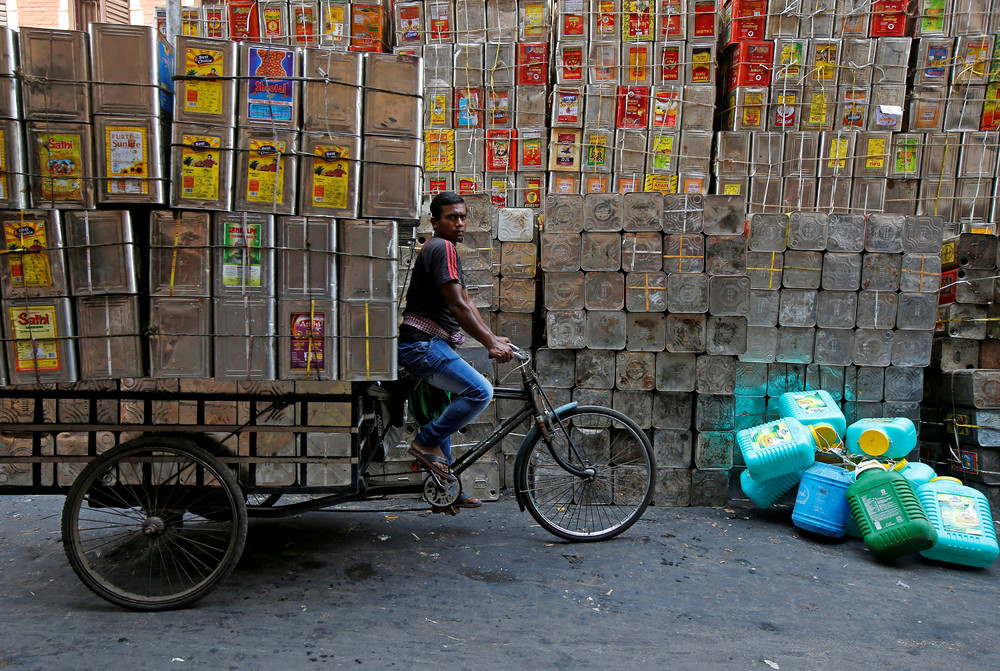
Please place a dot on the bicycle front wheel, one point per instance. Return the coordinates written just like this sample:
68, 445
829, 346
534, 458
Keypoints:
588, 508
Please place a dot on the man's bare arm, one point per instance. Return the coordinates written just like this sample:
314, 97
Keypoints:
468, 318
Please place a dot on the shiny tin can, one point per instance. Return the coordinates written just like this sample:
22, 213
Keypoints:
467, 64
836, 309
56, 74
10, 90
876, 309
201, 167
206, 90
179, 254
244, 254
564, 290
40, 347
269, 96
767, 153
110, 337
131, 162
687, 292
699, 108
266, 169
684, 253
132, 68
368, 259
642, 251
841, 271
391, 177
329, 174
13, 171
244, 330
803, 269
602, 212
768, 232
101, 253
60, 164
438, 66
920, 273
885, 233
764, 269
845, 233
307, 261
180, 338
332, 91
646, 292
732, 154
34, 264
306, 333
368, 331
470, 21
393, 89
729, 295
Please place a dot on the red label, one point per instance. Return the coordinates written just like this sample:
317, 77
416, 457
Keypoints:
748, 20
573, 24
499, 146
532, 192
704, 18
436, 186
949, 280
572, 65
243, 21
670, 70
888, 18
532, 63
633, 107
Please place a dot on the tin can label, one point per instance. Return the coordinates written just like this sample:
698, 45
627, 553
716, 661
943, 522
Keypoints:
243, 21
670, 69
498, 149
876, 153
572, 64
468, 185
189, 22
638, 23
825, 69
436, 186
532, 63
498, 191
331, 176
200, 167
633, 106
26, 242
270, 99
61, 158
905, 156
307, 341
670, 19
333, 22
605, 25
241, 259
959, 514
534, 20
839, 148
573, 24
213, 22
637, 64
438, 110
439, 21
569, 107
666, 104
665, 184
595, 184
272, 20
531, 152
439, 149
855, 102
704, 18
991, 109
35, 333
753, 107
409, 24
597, 150
532, 192
701, 65
203, 97
818, 108
784, 111
265, 176
304, 20
791, 61
468, 107
932, 16
937, 62
499, 107
663, 152
126, 158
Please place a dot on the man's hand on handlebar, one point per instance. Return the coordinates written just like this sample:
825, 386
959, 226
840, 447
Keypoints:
502, 350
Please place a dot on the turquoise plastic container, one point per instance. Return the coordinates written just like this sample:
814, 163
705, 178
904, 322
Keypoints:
813, 408
765, 493
882, 438
916, 472
776, 448
821, 505
961, 516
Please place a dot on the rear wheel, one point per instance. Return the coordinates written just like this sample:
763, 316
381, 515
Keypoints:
598, 506
154, 524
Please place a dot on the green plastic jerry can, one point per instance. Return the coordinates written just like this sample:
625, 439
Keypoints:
889, 515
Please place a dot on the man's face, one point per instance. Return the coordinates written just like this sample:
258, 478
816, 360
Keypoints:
451, 224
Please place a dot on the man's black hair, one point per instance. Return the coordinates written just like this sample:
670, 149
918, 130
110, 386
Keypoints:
442, 199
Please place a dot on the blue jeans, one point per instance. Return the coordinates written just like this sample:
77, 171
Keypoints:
435, 361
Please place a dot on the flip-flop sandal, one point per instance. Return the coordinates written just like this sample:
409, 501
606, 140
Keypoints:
434, 463
466, 501
447, 510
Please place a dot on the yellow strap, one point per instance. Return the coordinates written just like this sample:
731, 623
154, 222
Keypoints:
173, 260
368, 358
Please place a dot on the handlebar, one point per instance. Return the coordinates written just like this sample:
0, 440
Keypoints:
519, 353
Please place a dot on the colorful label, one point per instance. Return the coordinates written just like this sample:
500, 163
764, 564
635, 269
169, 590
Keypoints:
566, 149
270, 99
498, 191
937, 61
366, 28
213, 22
731, 190
572, 19
663, 152
499, 107
243, 21
61, 158
770, 435
670, 19
991, 109
25, 242
409, 24
531, 152
35, 335
665, 184
569, 107
666, 106
855, 103
784, 111
534, 20
467, 108
905, 158
498, 150
467, 184
595, 184
810, 404
882, 509
704, 18
825, 69
818, 105
200, 170
126, 159
331, 176
532, 192
628, 185
791, 61
932, 16
670, 69
439, 149
753, 110
572, 64
272, 19
333, 22
701, 65
440, 20
637, 61
304, 20
563, 183
597, 151
637, 25
959, 514
438, 110
839, 148
265, 174
242, 259
875, 158
307, 341
605, 18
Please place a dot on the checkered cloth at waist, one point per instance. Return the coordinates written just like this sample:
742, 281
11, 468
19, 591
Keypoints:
431, 327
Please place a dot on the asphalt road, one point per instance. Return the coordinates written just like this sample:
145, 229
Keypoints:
686, 588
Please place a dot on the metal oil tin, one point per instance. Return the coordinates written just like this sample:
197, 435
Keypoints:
180, 337
534, 22
110, 342
244, 338
978, 156
391, 178
602, 212
732, 154
683, 213
101, 253
880, 272
833, 194
13, 172
765, 194
853, 108
684, 253
367, 261
687, 292
836, 309
40, 346
642, 211
859, 57
515, 224
138, 84
964, 109
841, 271
936, 196
56, 74
331, 92
876, 309
34, 264
726, 336
835, 157
306, 340
566, 329
642, 251
695, 152
764, 307
729, 295
646, 292
872, 347
888, 102
601, 251
801, 153
635, 371
305, 23
906, 154
795, 345
789, 61
244, 254
833, 347
605, 329
329, 174
60, 164
307, 259
599, 106
767, 153
872, 155
972, 200
201, 167
818, 108
209, 96
768, 232
920, 273
273, 16
934, 58
699, 108
803, 269
784, 109
603, 62
438, 65
179, 262
518, 259
797, 307
393, 89
410, 23
799, 193
532, 149
130, 159
927, 110
972, 58
266, 168
10, 91
500, 106
564, 290
467, 64
746, 109
764, 269
470, 21
885, 233
762, 344
470, 149
604, 291
269, 95
725, 254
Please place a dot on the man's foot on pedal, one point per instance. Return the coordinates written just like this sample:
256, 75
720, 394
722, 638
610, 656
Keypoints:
466, 501
434, 463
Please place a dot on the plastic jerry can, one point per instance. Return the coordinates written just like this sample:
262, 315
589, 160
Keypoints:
961, 516
889, 515
884, 438
764, 493
821, 504
776, 448
916, 472
812, 408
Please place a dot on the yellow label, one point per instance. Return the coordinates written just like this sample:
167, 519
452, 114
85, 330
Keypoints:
331, 176
4, 187
597, 150
61, 160
637, 64
35, 332
731, 190
838, 153
26, 242
534, 19
791, 59
439, 110
265, 177
333, 21
876, 154
826, 62
203, 96
663, 152
665, 184
753, 109
439, 149
126, 159
818, 108
200, 167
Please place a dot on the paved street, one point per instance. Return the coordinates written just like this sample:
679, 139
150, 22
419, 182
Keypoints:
686, 588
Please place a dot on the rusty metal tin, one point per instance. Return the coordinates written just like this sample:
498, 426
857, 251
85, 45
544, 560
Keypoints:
683, 213
269, 96
331, 92
137, 85
201, 167
518, 259
605, 329
880, 272
56, 74
531, 106
795, 345
876, 309
515, 224
53, 149
803, 269
101, 254
695, 152
765, 194
725, 254
40, 344
601, 251
28, 273
687, 292
391, 179
564, 290
635, 370
368, 331
726, 335
642, 251
768, 232
566, 329
131, 163
684, 253
646, 292
724, 215
307, 259
517, 294
885, 233
604, 291
841, 271
110, 343
602, 212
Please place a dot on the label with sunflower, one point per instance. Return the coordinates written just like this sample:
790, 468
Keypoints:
126, 157
265, 178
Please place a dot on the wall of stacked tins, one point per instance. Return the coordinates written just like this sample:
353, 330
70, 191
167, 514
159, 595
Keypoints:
685, 207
